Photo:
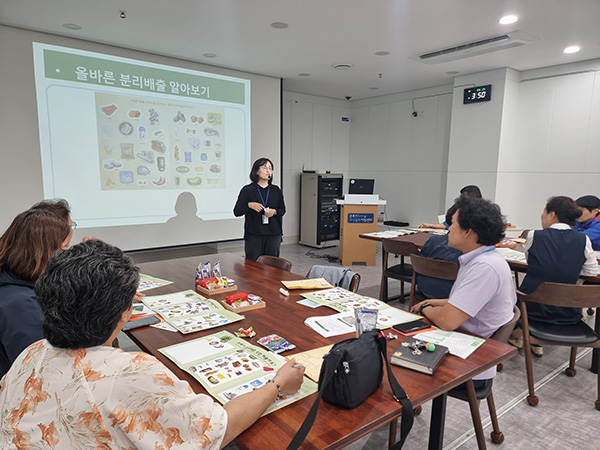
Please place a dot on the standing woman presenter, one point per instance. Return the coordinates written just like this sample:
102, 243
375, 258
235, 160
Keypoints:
261, 202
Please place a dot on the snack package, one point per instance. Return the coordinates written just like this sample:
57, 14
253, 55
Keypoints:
206, 270
275, 343
366, 320
217, 269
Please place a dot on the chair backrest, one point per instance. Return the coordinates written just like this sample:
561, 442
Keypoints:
524, 234
401, 248
503, 333
567, 295
275, 261
338, 276
435, 268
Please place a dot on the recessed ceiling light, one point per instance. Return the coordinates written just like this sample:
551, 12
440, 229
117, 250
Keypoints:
571, 49
373, 88
342, 66
452, 72
507, 20
304, 74
382, 53
279, 25
71, 26
209, 55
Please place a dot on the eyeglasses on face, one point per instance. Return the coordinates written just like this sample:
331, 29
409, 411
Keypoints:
266, 167
73, 225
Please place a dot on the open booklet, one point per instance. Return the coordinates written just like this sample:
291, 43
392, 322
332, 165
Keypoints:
188, 311
228, 366
147, 282
344, 301
459, 344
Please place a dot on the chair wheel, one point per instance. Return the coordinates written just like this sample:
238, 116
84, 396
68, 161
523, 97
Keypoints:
418, 410
499, 367
532, 400
570, 372
598, 405
497, 438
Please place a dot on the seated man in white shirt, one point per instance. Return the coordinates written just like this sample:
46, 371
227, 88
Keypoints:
483, 295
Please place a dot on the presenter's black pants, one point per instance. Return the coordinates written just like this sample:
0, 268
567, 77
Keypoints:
257, 245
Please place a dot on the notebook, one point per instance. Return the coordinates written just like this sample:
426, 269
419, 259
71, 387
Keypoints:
425, 362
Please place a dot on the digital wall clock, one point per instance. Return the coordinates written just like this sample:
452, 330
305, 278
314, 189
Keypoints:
477, 94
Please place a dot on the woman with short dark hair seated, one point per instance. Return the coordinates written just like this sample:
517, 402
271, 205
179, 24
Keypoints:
555, 254
25, 248
74, 390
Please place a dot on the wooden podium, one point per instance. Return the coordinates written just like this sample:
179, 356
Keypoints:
358, 218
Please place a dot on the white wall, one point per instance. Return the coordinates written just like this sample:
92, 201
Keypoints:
538, 137
555, 144
314, 138
407, 156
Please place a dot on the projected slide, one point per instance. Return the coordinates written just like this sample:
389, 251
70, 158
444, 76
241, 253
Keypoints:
146, 144
122, 139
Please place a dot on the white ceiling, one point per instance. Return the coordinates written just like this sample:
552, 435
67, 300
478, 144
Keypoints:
325, 32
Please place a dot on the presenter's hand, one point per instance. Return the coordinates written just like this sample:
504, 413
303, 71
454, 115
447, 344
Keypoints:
255, 206
290, 377
270, 212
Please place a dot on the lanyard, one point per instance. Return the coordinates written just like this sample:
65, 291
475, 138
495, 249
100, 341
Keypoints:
261, 197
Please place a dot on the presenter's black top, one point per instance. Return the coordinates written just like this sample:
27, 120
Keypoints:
272, 197
557, 256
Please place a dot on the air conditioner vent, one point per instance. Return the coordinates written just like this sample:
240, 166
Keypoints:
479, 47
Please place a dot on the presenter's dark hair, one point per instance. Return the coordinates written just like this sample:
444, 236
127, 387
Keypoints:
483, 217
32, 237
260, 162
589, 202
565, 208
83, 293
471, 191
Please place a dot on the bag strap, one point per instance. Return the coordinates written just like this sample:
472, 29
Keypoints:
331, 365
408, 415
399, 394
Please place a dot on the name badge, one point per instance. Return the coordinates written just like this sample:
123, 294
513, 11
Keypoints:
265, 219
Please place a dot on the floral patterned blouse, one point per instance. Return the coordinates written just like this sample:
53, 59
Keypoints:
102, 398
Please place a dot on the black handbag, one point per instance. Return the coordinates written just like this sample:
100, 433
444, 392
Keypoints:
350, 372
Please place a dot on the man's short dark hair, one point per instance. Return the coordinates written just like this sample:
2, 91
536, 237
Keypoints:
483, 217
83, 293
471, 191
565, 208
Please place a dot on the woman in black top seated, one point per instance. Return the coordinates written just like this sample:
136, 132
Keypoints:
25, 248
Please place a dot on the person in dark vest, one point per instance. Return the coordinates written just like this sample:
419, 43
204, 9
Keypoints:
555, 254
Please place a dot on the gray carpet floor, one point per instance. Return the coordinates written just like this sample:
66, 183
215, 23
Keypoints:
564, 418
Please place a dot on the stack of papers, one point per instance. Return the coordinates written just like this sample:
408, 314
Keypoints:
512, 255
390, 233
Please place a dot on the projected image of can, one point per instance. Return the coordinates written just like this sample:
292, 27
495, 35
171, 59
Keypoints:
160, 162
188, 156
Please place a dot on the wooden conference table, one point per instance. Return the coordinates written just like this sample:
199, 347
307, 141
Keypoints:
334, 427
